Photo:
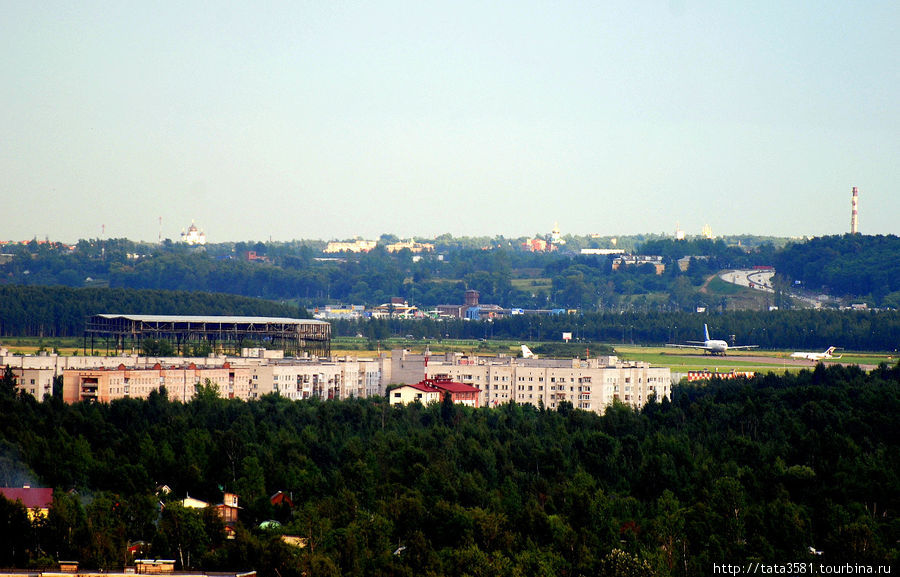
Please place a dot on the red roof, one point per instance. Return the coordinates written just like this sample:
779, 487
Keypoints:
30, 497
422, 387
449, 386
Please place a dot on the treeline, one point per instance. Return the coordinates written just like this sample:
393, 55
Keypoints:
866, 267
504, 275
61, 311
853, 330
862, 267
764, 470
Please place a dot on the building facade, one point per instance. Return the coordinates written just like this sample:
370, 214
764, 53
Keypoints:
356, 246
242, 378
37, 501
37, 382
589, 384
638, 260
406, 394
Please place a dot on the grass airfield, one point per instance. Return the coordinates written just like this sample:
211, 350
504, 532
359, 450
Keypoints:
683, 360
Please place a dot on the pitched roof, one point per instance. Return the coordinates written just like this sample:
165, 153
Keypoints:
30, 497
452, 387
420, 387
446, 385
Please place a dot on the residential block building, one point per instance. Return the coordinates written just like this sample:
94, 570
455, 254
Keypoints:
35, 381
238, 377
590, 384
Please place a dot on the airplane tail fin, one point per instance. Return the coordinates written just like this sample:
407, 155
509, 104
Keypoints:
829, 351
526, 353
705, 332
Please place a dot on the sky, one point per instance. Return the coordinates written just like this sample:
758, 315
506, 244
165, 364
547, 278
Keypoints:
330, 119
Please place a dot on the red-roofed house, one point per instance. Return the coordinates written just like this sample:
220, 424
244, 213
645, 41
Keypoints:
432, 391
36, 500
412, 393
280, 498
459, 392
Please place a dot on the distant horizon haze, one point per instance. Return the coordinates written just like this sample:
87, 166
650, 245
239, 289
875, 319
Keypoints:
334, 120
423, 238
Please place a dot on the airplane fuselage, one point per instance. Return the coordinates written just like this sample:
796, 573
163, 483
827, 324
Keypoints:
710, 346
813, 356
716, 347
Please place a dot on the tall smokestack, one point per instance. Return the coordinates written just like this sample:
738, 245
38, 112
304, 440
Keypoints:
854, 212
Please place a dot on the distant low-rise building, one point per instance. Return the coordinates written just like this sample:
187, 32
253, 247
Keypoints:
638, 260
227, 510
537, 245
602, 251
356, 246
398, 308
334, 312
36, 500
471, 309
252, 256
411, 246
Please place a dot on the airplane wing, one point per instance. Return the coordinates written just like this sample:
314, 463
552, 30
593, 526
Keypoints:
743, 347
703, 346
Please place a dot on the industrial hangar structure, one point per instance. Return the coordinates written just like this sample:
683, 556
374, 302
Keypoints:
222, 333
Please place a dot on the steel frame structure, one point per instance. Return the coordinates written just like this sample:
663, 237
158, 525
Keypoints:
225, 334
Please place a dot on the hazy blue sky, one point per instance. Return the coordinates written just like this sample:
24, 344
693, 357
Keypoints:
330, 119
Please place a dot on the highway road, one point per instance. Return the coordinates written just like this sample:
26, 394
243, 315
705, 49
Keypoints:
761, 280
755, 279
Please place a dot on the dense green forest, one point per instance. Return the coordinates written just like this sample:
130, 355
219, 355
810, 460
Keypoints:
847, 265
863, 268
729, 472
61, 311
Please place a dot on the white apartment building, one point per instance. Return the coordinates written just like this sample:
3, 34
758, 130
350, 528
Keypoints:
35, 381
589, 384
256, 373
249, 380
333, 379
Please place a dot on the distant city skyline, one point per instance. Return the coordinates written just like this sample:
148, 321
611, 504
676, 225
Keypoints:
334, 120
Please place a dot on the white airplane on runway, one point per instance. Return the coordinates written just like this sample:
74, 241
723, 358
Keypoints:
711, 346
815, 356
